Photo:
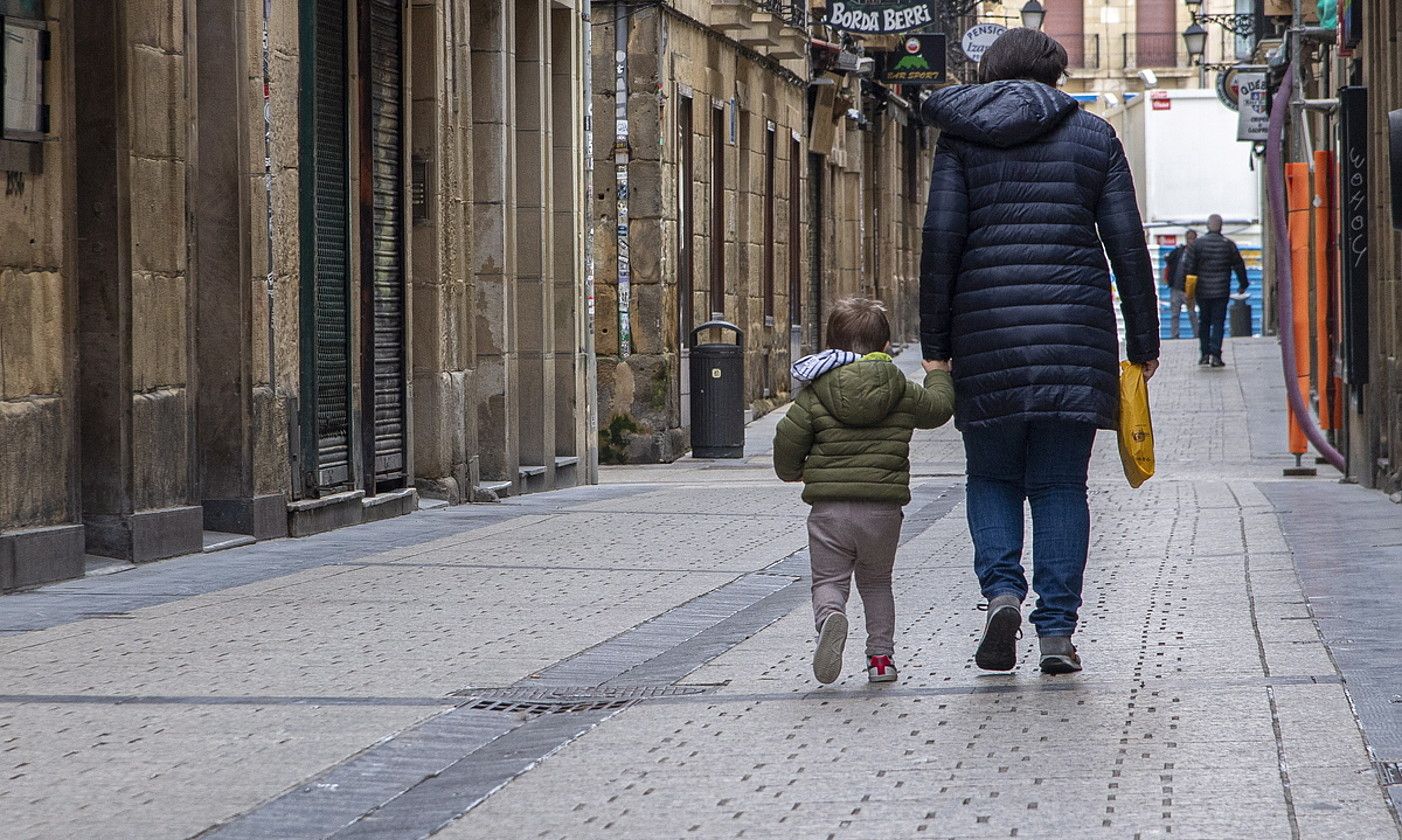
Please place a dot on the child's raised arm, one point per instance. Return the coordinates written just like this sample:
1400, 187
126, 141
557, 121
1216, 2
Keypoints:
934, 403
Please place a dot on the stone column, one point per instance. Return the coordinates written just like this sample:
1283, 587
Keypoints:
134, 293
534, 246
40, 539
225, 326
493, 257
567, 233
444, 426
275, 275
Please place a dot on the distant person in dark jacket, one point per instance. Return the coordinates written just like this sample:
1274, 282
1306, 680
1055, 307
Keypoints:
1028, 195
1176, 281
1214, 258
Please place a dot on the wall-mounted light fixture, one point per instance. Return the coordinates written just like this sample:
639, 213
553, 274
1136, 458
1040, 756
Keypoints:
1033, 14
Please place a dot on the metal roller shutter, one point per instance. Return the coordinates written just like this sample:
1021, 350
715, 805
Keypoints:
326, 247
386, 269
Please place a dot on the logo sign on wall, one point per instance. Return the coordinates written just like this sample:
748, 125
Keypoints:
919, 61
1229, 84
1251, 106
1228, 87
979, 38
879, 18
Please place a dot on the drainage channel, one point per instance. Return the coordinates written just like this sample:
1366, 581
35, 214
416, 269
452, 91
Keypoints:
415, 783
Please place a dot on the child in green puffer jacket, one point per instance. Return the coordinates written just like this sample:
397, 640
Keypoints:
847, 438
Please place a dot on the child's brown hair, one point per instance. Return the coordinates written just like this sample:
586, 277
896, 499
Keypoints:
859, 325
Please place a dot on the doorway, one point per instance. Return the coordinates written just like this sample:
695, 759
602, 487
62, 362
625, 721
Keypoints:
384, 407
816, 171
324, 414
686, 256
795, 246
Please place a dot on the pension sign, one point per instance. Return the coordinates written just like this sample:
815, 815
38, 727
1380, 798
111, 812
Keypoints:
979, 38
879, 18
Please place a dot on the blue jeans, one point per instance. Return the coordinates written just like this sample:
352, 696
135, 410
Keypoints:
1212, 325
1178, 300
1045, 463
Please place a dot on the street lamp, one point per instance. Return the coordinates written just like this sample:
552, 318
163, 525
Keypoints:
1195, 39
1033, 15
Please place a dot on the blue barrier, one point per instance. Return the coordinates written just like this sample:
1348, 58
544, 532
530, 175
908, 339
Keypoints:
1254, 274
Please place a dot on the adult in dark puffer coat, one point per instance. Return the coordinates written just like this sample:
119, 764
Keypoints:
1214, 259
1028, 196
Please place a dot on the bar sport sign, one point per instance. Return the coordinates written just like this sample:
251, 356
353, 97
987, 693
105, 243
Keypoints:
879, 18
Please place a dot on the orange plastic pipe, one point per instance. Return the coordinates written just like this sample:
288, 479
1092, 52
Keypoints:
1324, 285
1297, 203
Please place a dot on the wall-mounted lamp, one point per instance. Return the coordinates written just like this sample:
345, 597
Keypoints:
1033, 14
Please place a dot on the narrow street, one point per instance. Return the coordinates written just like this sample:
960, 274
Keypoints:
632, 661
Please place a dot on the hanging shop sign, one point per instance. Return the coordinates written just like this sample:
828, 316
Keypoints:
1252, 119
1229, 83
879, 18
1350, 25
920, 61
1227, 87
979, 38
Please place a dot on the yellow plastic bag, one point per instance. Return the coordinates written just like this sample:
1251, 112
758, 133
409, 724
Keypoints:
1136, 426
1190, 286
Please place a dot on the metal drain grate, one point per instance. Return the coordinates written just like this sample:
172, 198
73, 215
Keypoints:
1389, 772
538, 707
562, 699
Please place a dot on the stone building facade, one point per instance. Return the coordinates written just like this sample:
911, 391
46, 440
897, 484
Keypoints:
735, 180
1364, 69
268, 268
1110, 42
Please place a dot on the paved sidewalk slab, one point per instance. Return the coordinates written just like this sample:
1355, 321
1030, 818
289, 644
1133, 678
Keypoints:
387, 681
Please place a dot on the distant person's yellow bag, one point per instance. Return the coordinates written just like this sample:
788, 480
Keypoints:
1136, 430
1190, 286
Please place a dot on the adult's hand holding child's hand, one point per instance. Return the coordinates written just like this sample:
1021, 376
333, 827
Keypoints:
932, 365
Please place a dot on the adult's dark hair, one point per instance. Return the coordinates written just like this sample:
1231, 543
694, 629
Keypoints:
1023, 54
859, 325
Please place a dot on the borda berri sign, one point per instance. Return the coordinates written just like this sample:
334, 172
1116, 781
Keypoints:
879, 18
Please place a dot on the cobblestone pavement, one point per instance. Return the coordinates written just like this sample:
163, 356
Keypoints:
631, 661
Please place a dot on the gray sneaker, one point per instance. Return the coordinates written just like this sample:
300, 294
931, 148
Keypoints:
1059, 655
832, 638
997, 650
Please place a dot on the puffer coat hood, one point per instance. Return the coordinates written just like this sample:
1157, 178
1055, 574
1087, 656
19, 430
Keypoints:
847, 436
1028, 196
999, 114
862, 393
